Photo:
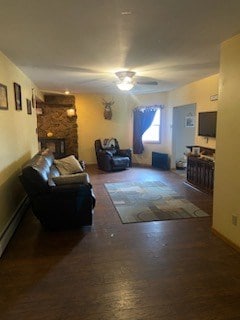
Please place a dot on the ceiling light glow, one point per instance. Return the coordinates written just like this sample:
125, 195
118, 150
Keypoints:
125, 82
126, 13
125, 86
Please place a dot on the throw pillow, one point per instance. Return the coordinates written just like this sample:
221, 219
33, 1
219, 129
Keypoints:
68, 165
71, 178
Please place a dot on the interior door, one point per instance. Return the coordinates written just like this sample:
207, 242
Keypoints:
183, 131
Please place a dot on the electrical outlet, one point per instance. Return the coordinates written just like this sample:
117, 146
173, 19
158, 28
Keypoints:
234, 220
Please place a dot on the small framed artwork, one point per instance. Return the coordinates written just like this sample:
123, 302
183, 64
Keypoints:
39, 111
189, 121
33, 98
3, 97
18, 96
29, 106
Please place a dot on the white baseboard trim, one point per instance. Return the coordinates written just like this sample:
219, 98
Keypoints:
12, 224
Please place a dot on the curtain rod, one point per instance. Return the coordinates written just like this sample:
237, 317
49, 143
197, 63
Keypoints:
150, 107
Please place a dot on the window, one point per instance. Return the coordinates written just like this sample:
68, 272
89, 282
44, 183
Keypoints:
152, 134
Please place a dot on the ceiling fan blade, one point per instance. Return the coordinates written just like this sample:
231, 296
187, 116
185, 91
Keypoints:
151, 83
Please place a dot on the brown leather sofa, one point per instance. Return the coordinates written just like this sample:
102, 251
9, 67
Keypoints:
56, 206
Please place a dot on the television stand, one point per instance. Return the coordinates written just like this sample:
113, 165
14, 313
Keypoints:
200, 170
206, 151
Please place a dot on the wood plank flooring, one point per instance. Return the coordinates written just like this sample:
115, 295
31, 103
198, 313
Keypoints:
169, 270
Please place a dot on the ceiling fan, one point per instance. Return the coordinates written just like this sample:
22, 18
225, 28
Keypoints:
126, 80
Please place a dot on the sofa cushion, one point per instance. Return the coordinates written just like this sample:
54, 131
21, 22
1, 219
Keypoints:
68, 165
72, 178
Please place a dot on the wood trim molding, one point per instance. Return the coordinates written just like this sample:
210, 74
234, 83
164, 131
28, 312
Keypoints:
12, 225
226, 240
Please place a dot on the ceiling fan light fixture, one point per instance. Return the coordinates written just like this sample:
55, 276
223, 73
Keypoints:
124, 86
126, 82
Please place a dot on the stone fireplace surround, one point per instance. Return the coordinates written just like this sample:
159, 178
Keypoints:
54, 119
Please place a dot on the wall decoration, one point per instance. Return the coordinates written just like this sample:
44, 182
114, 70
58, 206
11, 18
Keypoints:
107, 109
3, 97
189, 121
33, 98
39, 111
18, 96
214, 97
29, 106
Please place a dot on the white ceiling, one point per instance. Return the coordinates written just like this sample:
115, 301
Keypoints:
79, 44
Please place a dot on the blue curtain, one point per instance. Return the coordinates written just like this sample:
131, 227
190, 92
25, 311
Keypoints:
142, 120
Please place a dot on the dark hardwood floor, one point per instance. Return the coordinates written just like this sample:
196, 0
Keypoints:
170, 270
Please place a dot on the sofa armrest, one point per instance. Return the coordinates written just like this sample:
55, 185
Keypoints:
66, 193
64, 206
77, 178
67, 190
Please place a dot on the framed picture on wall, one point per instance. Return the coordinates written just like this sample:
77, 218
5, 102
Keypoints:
189, 121
39, 111
18, 96
29, 106
33, 98
3, 97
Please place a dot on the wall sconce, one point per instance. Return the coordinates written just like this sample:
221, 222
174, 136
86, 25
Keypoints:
71, 112
49, 134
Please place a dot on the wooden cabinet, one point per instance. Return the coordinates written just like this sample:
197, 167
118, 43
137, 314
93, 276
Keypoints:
57, 145
200, 173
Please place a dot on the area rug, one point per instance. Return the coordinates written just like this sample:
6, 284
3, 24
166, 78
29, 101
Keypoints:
150, 201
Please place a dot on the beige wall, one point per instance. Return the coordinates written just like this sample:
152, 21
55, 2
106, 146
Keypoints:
227, 173
18, 139
92, 125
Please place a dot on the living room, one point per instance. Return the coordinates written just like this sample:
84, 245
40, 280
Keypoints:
19, 139
89, 111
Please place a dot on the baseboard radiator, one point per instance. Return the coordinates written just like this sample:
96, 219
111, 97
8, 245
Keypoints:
12, 225
160, 161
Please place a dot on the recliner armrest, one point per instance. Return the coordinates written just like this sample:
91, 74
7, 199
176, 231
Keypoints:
108, 153
105, 153
126, 153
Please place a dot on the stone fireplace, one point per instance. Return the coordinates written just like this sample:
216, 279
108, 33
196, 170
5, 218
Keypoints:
54, 122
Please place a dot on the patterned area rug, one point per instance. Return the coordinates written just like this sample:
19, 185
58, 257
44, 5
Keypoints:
150, 201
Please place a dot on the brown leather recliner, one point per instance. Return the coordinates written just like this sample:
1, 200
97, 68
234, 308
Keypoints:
112, 158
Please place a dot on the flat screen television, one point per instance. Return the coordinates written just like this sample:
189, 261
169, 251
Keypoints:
207, 124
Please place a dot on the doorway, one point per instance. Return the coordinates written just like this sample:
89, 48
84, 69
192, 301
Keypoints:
183, 131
